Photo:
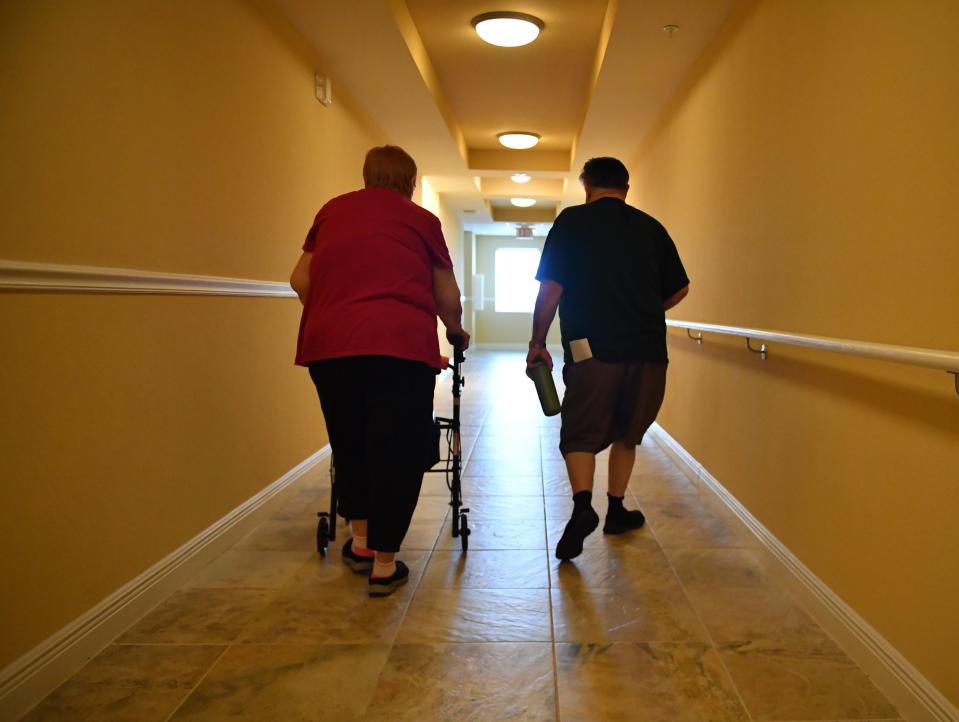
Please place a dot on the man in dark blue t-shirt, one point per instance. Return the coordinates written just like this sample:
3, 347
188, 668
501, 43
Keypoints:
613, 271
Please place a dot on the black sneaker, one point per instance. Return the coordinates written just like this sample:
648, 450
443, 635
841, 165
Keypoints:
359, 564
623, 521
580, 526
383, 587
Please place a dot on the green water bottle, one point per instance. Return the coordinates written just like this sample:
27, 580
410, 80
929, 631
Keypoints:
545, 389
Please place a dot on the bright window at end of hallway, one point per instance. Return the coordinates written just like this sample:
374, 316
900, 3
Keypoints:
515, 283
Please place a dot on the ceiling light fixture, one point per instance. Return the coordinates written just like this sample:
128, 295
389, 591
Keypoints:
523, 202
507, 30
518, 139
520, 178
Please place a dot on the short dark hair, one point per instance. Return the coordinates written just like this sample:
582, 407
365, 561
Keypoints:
389, 166
605, 172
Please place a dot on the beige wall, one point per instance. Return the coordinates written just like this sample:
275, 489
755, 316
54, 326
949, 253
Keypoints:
452, 231
180, 137
503, 328
808, 176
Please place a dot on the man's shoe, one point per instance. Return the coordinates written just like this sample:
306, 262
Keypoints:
580, 526
356, 562
383, 587
623, 521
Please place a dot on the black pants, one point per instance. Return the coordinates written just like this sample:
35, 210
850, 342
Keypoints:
379, 414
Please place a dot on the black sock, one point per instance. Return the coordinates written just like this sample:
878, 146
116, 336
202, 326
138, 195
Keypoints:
615, 508
582, 500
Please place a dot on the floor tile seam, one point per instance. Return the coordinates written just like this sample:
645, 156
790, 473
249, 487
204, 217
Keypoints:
486, 589
495, 589
211, 587
419, 582
659, 642
500, 496
501, 549
478, 643
552, 647
503, 495
709, 636
490, 639
312, 643
407, 603
270, 598
173, 644
687, 547
198, 683
379, 675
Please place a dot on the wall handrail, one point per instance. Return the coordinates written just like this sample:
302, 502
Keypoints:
914, 356
27, 276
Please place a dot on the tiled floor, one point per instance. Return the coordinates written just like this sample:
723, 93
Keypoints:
677, 621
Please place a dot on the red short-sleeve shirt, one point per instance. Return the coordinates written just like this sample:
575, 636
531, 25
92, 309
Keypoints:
371, 279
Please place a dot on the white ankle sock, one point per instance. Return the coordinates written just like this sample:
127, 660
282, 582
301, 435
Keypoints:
383, 569
359, 542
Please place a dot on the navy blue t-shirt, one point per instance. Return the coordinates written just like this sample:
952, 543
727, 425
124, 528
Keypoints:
616, 265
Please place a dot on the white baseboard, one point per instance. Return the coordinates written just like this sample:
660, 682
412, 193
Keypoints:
905, 686
33, 676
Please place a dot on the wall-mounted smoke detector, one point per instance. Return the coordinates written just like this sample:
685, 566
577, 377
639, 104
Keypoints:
324, 89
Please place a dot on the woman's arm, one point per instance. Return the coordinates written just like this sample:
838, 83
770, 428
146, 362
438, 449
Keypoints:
300, 278
448, 306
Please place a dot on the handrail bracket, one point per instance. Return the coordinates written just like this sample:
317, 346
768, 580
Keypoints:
955, 378
761, 350
697, 338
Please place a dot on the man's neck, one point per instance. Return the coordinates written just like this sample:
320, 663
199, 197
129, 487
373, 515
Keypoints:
597, 193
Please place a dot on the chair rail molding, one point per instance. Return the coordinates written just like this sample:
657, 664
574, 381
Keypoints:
27, 276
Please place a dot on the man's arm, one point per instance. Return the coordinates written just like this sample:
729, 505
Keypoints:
676, 297
448, 307
547, 301
300, 278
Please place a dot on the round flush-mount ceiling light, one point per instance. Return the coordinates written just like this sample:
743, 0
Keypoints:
523, 202
507, 30
520, 178
518, 140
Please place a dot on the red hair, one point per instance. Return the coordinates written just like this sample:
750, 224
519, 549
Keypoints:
389, 166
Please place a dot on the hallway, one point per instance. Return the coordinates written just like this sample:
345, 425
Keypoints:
675, 622
162, 456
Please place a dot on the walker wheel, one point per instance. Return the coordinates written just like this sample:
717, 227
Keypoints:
464, 532
322, 533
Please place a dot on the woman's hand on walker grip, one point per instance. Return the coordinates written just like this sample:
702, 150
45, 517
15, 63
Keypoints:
459, 338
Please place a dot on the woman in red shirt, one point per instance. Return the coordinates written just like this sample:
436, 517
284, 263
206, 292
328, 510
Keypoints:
374, 274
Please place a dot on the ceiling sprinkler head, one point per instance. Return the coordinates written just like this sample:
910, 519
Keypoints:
670, 30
